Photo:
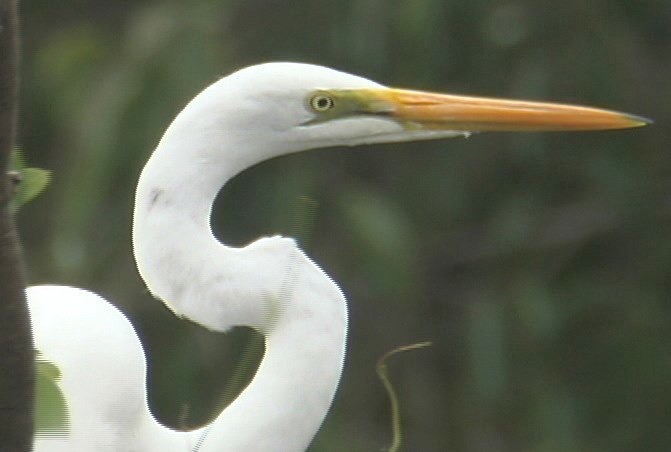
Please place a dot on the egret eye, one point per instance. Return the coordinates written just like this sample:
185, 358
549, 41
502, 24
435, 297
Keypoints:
321, 103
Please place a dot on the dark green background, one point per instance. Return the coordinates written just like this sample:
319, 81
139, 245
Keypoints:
538, 264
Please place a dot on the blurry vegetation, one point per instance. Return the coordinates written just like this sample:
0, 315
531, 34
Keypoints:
538, 264
28, 182
51, 411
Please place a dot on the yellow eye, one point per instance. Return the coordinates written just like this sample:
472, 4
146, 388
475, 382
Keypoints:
321, 103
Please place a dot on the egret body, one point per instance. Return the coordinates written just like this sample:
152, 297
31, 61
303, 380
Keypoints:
271, 285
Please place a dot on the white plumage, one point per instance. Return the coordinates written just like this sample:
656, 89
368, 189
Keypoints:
254, 114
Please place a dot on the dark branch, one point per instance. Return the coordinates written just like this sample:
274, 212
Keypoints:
16, 348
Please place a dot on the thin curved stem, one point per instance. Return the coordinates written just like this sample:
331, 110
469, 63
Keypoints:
382, 372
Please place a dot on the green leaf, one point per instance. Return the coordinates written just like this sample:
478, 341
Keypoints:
32, 181
51, 411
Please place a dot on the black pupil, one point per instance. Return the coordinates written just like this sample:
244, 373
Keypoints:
323, 102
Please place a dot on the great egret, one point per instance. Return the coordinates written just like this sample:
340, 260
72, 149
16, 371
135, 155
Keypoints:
252, 115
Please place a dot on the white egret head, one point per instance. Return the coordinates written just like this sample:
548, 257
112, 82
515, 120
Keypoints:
290, 107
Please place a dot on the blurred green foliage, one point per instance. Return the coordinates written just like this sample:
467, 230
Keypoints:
538, 264
51, 412
28, 182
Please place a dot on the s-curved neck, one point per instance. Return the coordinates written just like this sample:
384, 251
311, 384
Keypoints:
286, 402
269, 285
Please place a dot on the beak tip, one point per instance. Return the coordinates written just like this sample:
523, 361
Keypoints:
640, 121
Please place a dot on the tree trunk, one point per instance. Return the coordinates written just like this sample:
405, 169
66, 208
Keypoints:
16, 348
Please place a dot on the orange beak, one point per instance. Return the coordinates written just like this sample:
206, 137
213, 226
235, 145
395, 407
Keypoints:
433, 111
